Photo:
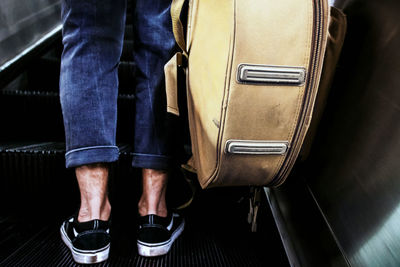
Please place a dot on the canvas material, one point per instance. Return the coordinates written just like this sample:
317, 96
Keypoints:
223, 34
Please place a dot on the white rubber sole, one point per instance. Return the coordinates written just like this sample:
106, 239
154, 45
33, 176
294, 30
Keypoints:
154, 250
85, 257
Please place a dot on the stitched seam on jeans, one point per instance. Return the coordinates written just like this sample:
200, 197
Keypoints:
88, 148
150, 155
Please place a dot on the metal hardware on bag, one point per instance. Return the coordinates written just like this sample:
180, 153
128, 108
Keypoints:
265, 74
256, 147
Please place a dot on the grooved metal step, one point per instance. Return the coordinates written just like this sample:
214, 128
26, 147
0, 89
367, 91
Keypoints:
30, 168
216, 234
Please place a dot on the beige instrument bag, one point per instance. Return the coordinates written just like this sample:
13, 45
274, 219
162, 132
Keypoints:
253, 73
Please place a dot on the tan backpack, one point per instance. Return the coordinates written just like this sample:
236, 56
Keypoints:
253, 72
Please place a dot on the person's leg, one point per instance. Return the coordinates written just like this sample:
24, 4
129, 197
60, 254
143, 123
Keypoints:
154, 46
92, 38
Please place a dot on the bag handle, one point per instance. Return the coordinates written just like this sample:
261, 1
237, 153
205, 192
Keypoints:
177, 27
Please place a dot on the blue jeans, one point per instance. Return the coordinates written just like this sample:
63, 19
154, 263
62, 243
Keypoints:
92, 37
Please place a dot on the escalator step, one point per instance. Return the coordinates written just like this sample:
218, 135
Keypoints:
39, 168
47, 249
31, 115
129, 17
128, 32
36, 115
126, 76
15, 231
44, 74
31, 168
127, 51
216, 234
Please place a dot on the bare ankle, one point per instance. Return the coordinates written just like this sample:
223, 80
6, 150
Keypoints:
92, 180
145, 209
88, 212
105, 211
153, 200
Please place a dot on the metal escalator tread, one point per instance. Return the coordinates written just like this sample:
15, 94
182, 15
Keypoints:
47, 249
218, 239
29, 166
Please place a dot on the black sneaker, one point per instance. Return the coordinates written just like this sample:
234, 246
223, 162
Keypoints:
157, 234
89, 242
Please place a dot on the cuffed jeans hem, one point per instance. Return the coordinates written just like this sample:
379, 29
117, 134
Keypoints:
89, 155
150, 161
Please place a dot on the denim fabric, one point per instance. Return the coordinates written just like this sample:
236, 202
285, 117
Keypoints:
92, 38
154, 46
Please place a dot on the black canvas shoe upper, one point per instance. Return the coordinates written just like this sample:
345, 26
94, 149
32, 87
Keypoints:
91, 235
154, 229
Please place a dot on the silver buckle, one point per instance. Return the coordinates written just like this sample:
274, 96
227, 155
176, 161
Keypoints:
265, 74
251, 147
